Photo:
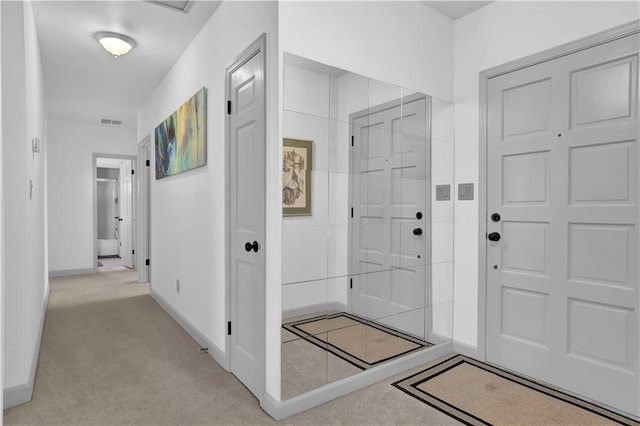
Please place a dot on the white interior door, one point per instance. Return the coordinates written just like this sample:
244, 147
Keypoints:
126, 214
562, 281
246, 144
389, 228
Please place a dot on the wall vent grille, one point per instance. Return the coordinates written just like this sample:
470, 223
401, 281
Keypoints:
110, 121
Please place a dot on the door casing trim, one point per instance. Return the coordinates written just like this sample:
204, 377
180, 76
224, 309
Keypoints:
588, 42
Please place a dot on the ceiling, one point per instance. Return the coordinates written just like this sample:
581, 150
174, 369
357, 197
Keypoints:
85, 83
455, 9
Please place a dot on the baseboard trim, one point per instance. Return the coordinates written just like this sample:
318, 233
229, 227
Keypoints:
437, 339
67, 272
219, 356
312, 309
23, 393
280, 410
468, 350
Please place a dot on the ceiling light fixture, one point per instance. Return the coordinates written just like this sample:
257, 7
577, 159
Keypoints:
116, 44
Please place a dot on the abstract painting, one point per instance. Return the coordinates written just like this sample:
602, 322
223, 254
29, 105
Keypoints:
181, 139
297, 162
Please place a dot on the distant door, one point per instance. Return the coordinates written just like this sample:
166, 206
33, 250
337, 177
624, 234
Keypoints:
390, 224
246, 150
562, 188
126, 214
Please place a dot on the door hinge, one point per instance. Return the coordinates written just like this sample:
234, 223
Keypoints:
229, 328
133, 172
352, 212
229, 107
148, 163
350, 282
351, 140
146, 262
133, 252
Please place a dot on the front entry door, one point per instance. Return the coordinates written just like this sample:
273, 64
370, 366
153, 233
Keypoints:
562, 222
389, 225
246, 150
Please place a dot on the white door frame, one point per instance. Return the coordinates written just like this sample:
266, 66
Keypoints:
259, 45
143, 208
94, 183
547, 55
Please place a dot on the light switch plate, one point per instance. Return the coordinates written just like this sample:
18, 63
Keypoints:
465, 191
443, 192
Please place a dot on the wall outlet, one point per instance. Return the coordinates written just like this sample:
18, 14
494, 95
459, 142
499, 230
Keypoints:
177, 286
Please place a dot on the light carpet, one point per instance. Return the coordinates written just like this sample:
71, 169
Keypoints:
111, 355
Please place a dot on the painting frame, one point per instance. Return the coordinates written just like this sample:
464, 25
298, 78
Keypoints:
181, 138
297, 155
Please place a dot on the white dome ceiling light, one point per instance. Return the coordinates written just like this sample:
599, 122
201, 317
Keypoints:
114, 43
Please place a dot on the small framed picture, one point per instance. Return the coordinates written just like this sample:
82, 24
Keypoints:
297, 162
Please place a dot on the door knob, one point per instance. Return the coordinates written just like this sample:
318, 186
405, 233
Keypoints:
494, 236
417, 231
251, 246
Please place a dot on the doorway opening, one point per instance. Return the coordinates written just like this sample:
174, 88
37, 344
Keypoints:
114, 217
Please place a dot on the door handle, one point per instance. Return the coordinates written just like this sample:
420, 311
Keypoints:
494, 236
417, 231
251, 246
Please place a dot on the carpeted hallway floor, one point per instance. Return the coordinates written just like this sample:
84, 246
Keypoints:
111, 355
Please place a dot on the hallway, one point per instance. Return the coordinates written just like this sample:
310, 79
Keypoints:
111, 355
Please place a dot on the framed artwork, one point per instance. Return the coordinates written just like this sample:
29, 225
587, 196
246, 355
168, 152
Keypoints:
297, 162
181, 139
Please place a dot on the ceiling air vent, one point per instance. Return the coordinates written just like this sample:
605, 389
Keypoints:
177, 5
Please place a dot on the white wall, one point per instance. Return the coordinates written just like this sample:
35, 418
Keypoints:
25, 263
491, 36
70, 180
402, 43
190, 207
